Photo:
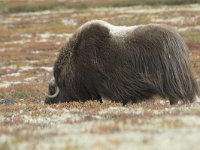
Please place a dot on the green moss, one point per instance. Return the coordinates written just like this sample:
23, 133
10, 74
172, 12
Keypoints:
21, 94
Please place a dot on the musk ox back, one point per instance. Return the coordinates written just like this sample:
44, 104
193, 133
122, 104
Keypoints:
122, 64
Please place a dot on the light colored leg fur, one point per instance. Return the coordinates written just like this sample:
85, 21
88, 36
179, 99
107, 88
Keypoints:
197, 99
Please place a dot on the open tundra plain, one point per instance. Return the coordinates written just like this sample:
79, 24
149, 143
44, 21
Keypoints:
29, 44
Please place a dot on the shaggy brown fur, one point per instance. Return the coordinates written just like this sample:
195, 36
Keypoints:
149, 60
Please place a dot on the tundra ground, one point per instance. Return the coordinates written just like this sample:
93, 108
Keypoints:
29, 45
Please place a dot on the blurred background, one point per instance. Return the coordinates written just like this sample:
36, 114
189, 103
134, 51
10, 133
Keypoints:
38, 5
31, 35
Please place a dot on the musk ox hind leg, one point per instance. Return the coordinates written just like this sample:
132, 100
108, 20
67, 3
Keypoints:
187, 96
179, 82
166, 64
173, 101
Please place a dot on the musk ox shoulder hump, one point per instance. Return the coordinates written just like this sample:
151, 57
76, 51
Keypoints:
89, 33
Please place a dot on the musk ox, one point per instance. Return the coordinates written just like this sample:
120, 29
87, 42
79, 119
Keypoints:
122, 64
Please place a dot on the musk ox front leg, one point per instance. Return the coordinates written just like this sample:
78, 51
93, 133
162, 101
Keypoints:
173, 101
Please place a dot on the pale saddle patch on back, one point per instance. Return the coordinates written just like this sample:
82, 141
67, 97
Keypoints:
118, 31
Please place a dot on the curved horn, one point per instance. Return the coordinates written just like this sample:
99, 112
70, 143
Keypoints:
56, 93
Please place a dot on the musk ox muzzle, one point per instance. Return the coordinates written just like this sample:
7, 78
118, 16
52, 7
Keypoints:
122, 64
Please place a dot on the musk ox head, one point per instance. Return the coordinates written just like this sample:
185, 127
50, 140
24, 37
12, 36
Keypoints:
123, 64
53, 92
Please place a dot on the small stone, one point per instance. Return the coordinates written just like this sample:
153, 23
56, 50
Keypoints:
7, 102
